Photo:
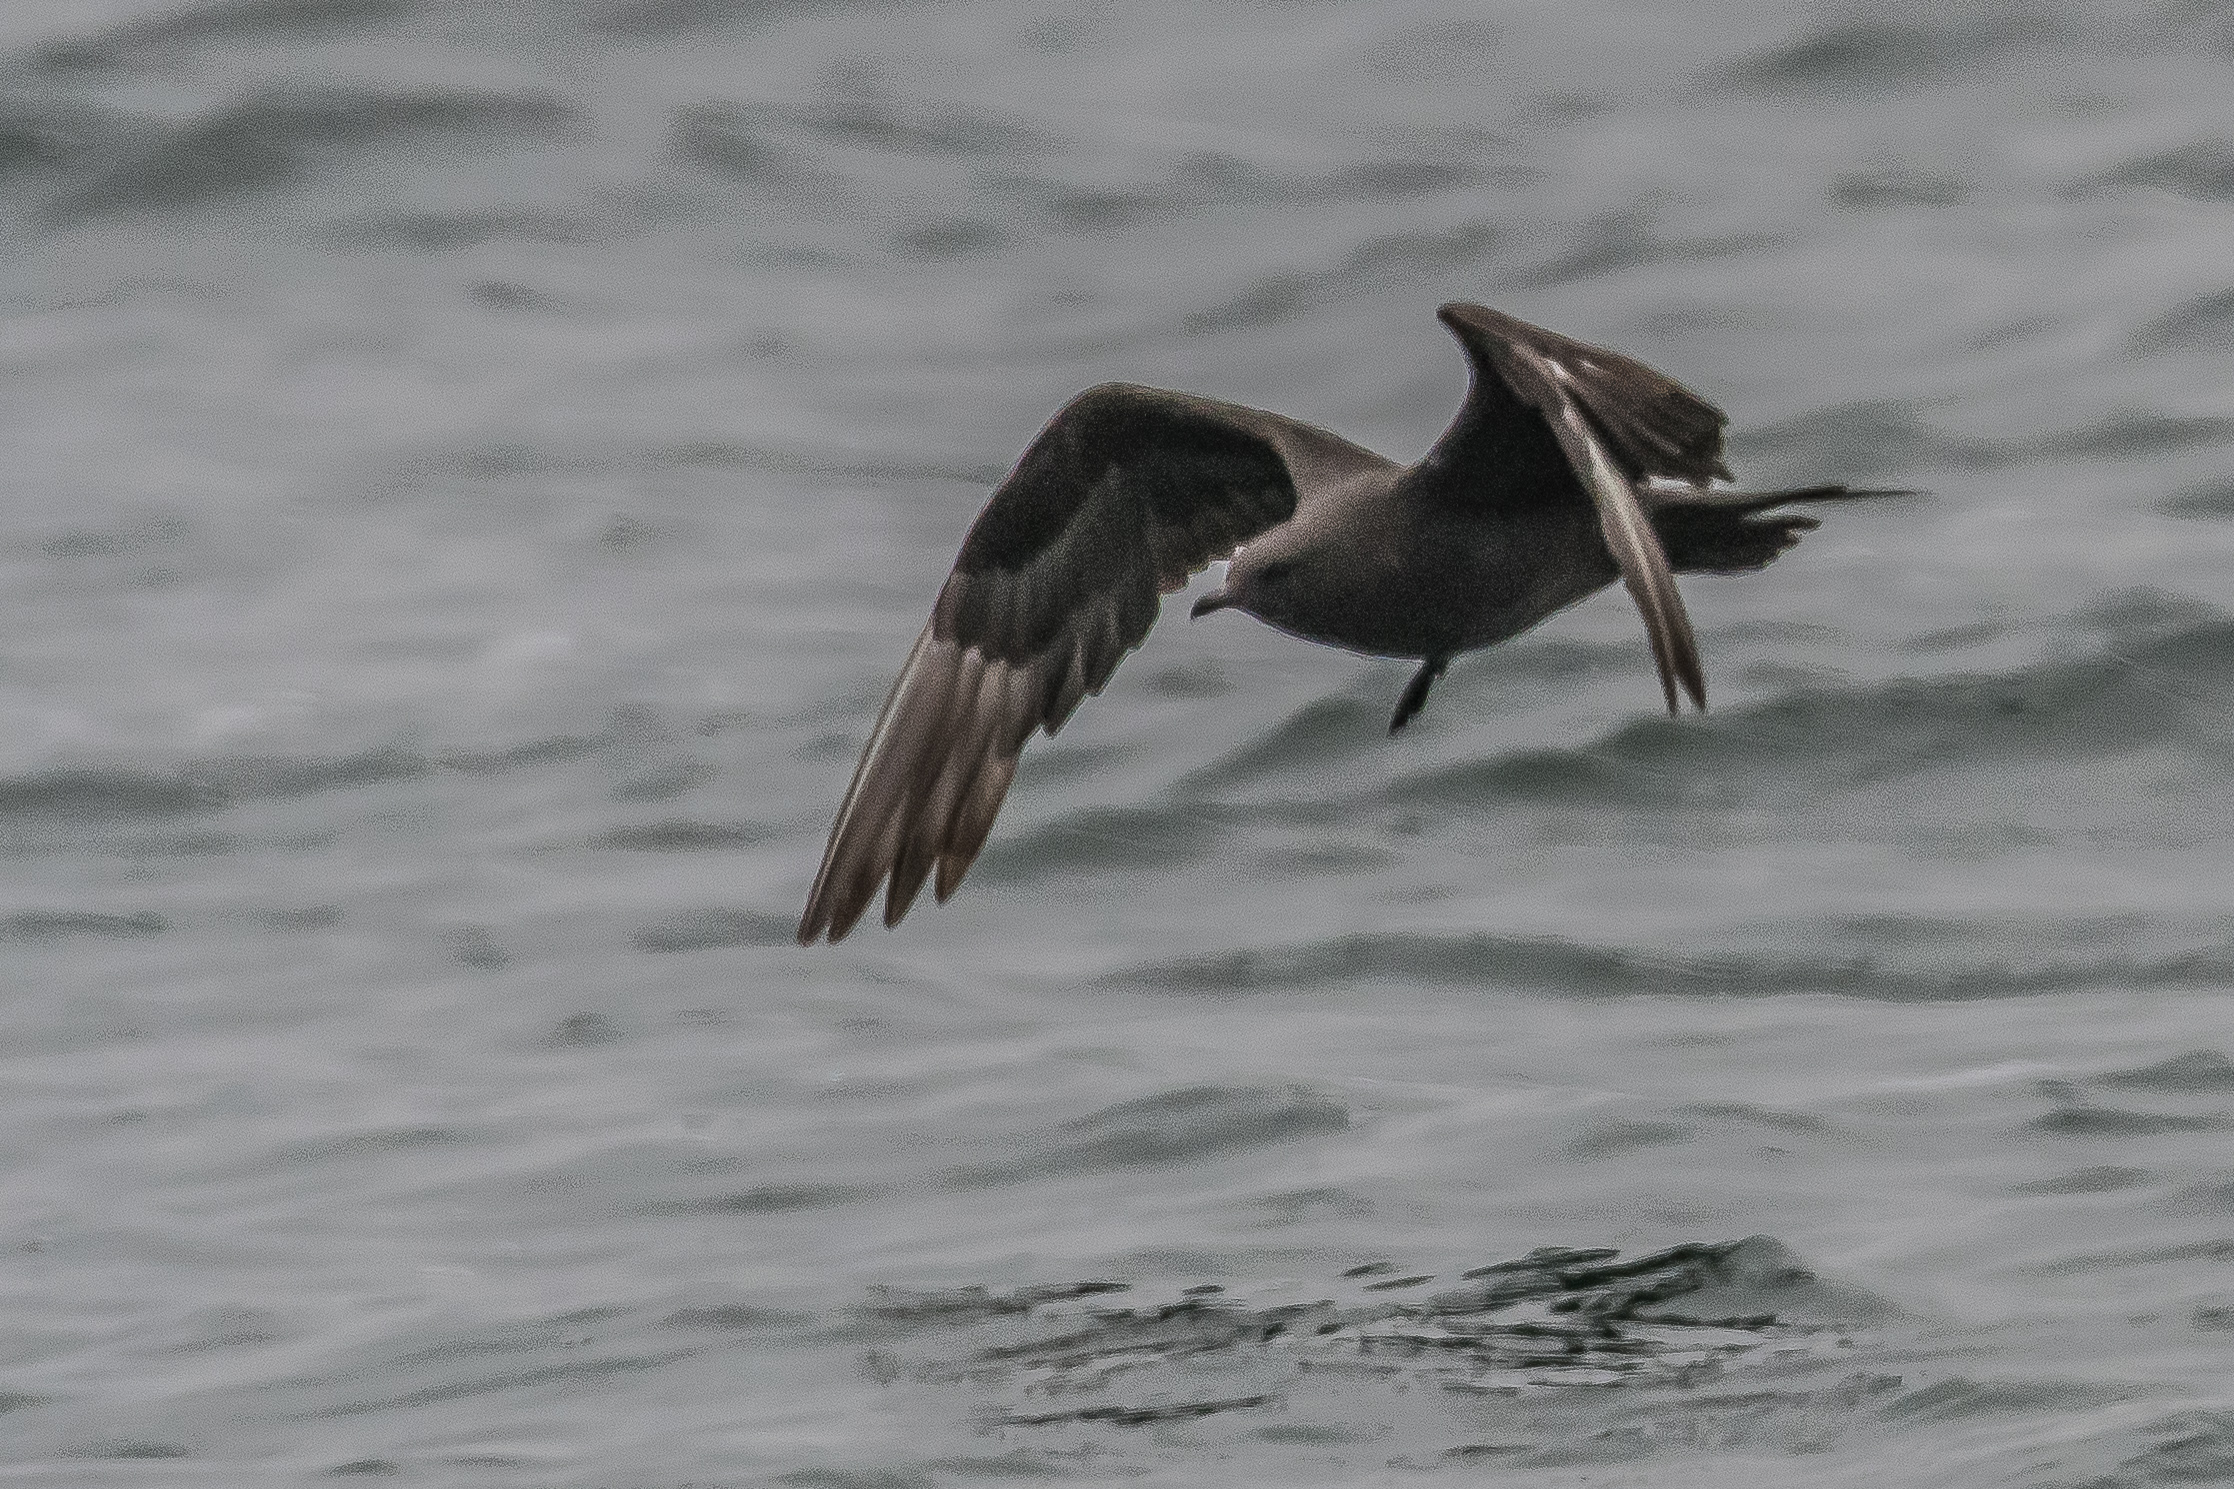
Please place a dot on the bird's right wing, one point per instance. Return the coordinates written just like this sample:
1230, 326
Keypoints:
1123, 495
1619, 424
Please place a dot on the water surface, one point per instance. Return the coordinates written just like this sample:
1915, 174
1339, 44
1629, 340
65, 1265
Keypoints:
473, 469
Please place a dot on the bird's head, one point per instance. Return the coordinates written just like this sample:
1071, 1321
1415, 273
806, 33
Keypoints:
1271, 579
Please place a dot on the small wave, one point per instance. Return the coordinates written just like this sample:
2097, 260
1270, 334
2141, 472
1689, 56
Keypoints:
1103, 840
1319, 734
845, 465
160, 39
584, 1031
2204, 324
272, 138
1611, 1139
1568, 968
735, 1317
154, 533
102, 794
662, 780
1885, 55
2157, 673
375, 1143
783, 150
2202, 170
1478, 958
1378, 263
473, 946
1957, 1398
2211, 1201
2219, 1250
439, 231
2196, 1071
498, 460
1146, 1415
2101, 1178
1199, 677
1307, 860
1171, 1127
681, 835
1397, 178
511, 295
764, 1199
1436, 48
24, 141
300, 918
871, 117
949, 237
129, 1449
2186, 1448
1295, 1205
661, 19
53, 925
468, 1383
1630, 239
2214, 498
1775, 1118
647, 758
1955, 638
1209, 181
2104, 1121
1864, 440
1555, 1317
908, 1308
2136, 435
714, 929
556, 750
732, 141
286, 776
1898, 186
2077, 1115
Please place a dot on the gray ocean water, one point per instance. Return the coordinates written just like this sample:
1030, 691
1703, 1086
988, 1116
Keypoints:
472, 468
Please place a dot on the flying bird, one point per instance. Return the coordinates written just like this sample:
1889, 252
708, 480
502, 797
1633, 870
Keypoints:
1567, 466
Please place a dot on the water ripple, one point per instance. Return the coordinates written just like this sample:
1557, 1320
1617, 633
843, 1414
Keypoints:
158, 40
50, 925
1171, 1127
2158, 676
1558, 1316
277, 136
2202, 170
1883, 55
1482, 959
713, 929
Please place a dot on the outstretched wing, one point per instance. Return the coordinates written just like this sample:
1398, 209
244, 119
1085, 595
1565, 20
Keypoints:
1125, 493
1619, 424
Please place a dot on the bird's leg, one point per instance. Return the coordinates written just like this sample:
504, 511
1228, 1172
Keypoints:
1415, 691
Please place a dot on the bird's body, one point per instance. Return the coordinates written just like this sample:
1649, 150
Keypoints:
1568, 466
1377, 545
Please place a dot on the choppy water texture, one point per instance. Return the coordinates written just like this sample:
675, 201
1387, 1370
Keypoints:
473, 466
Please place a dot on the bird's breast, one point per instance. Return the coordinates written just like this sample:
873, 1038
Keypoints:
1438, 583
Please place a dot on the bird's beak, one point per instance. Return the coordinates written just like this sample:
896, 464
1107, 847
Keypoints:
1217, 599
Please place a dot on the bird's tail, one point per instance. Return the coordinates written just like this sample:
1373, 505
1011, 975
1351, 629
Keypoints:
1729, 532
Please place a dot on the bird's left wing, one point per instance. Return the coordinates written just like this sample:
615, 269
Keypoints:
1123, 495
1618, 423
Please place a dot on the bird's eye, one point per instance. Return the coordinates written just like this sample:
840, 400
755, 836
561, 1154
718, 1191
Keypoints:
1275, 573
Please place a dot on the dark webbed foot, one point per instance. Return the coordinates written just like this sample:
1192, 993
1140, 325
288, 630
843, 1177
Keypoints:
1415, 691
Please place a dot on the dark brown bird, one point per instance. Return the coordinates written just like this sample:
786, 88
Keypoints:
1567, 466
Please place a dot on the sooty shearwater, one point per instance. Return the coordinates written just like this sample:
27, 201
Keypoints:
1567, 466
